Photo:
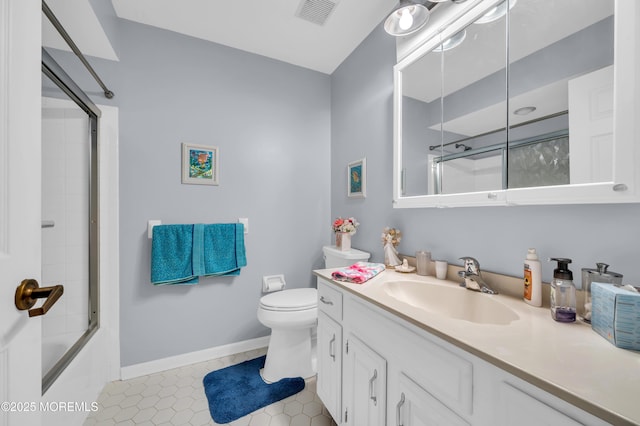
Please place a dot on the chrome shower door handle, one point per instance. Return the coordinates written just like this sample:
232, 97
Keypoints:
332, 348
325, 301
371, 387
399, 409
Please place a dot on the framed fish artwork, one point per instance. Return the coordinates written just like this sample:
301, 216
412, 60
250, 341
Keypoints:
199, 164
356, 179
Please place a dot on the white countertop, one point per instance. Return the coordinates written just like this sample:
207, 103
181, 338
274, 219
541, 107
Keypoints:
568, 360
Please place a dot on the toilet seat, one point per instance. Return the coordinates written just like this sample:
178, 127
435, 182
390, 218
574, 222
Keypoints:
297, 299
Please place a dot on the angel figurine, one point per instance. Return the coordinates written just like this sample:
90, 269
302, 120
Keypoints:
390, 239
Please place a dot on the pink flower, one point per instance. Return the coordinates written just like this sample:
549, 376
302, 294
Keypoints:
345, 225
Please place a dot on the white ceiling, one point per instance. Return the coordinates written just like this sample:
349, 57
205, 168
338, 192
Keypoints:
81, 23
268, 28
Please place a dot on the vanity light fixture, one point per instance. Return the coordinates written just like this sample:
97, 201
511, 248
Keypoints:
451, 42
407, 18
524, 110
410, 15
496, 13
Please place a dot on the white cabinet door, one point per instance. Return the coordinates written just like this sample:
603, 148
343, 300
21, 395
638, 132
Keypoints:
329, 384
417, 407
518, 407
364, 386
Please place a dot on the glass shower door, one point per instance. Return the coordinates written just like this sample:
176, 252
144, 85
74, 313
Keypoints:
69, 225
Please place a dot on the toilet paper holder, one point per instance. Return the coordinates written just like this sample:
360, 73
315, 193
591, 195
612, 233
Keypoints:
273, 283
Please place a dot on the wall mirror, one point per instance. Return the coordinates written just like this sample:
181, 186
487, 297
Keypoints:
518, 107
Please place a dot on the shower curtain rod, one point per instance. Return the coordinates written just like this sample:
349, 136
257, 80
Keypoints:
58, 26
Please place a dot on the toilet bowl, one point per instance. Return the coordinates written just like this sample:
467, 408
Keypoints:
292, 316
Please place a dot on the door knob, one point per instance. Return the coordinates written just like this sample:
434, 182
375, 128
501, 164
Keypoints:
29, 291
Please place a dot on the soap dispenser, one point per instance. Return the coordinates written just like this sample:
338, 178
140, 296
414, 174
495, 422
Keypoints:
598, 275
563, 292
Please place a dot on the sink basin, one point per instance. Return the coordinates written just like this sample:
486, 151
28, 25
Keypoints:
451, 301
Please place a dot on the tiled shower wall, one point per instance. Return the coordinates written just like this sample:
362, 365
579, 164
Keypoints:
65, 202
541, 164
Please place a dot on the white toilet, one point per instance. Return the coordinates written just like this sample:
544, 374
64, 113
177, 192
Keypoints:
292, 316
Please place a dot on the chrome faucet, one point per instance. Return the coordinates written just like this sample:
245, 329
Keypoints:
472, 277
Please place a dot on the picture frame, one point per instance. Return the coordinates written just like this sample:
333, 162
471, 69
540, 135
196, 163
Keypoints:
199, 164
357, 179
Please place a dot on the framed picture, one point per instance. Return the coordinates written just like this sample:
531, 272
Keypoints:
356, 179
199, 164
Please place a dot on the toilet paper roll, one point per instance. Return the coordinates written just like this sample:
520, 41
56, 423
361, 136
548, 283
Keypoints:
273, 283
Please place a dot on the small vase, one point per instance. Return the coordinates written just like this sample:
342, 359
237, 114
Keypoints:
343, 241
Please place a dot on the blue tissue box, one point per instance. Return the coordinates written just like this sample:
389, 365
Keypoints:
616, 315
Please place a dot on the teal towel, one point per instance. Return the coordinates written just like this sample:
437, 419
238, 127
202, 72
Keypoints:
198, 249
182, 253
171, 255
223, 249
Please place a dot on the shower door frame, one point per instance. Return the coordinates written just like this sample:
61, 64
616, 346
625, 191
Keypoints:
59, 77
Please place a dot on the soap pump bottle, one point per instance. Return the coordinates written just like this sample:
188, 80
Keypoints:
532, 279
563, 292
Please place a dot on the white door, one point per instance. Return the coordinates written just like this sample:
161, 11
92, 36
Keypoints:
20, 375
591, 127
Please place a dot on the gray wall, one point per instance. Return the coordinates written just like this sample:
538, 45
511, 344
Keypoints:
361, 111
271, 122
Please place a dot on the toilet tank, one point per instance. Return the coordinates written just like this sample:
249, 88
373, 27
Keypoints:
336, 258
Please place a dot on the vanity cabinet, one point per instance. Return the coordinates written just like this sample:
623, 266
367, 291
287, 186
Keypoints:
351, 376
393, 372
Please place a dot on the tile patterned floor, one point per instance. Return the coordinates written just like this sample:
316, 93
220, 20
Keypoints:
176, 397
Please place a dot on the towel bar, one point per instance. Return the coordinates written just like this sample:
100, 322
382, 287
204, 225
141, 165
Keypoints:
150, 225
154, 222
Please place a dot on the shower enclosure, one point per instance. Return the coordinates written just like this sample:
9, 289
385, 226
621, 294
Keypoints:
69, 218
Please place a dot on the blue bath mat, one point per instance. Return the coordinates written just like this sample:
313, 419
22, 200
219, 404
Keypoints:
238, 390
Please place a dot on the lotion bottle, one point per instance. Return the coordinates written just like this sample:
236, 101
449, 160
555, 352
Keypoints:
532, 279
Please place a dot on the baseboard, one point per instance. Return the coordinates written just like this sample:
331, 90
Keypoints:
177, 361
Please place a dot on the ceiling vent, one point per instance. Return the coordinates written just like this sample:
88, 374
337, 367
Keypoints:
316, 11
